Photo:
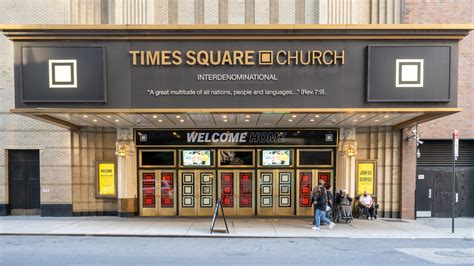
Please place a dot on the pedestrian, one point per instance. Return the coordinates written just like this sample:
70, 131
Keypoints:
320, 204
330, 198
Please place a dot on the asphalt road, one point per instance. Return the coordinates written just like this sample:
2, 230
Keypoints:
63, 250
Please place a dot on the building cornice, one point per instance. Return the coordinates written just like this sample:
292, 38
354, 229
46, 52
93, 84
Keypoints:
236, 32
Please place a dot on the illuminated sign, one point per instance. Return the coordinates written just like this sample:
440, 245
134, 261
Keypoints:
236, 57
105, 184
366, 175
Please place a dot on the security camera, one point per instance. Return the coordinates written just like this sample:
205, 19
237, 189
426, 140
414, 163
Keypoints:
419, 142
333, 121
139, 121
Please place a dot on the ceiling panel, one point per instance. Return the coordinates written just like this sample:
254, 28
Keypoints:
138, 120
291, 120
202, 119
379, 119
236, 120
400, 118
247, 120
160, 120
225, 120
116, 120
356, 120
181, 120
269, 119
73, 119
311, 120
334, 119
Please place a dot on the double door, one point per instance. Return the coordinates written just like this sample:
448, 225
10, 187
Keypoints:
275, 190
236, 190
197, 192
158, 193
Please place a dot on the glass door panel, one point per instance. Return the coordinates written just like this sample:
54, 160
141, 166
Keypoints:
306, 180
196, 192
157, 192
236, 190
275, 193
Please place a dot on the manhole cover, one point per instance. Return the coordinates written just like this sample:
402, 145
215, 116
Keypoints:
394, 220
456, 253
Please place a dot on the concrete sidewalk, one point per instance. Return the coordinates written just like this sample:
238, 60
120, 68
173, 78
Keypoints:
239, 227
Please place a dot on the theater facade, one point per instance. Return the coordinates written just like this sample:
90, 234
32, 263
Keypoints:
166, 120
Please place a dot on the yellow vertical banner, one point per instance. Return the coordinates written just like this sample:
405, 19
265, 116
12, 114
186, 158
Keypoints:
106, 179
366, 174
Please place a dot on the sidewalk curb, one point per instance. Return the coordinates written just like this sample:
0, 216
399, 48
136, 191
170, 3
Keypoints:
221, 236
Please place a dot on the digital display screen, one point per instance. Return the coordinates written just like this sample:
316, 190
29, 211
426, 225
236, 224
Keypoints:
276, 157
196, 157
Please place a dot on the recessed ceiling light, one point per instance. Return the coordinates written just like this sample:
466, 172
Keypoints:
311, 120
108, 116
316, 116
386, 116
178, 116
225, 120
355, 120
159, 120
376, 120
246, 120
85, 116
116, 120
224, 116
293, 116
95, 120
290, 120
181, 120
155, 116
248, 116
362, 116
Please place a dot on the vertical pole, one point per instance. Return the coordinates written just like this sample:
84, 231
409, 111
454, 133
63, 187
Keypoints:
453, 185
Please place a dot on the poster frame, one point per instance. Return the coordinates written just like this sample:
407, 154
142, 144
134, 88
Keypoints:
374, 162
97, 181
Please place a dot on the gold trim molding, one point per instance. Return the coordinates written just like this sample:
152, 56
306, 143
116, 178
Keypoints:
24, 27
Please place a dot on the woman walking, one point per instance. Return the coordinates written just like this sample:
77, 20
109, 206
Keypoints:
320, 204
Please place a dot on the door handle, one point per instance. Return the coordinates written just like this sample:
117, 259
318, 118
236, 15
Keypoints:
429, 193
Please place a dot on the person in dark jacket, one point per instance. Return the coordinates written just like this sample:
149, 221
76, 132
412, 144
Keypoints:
320, 204
345, 202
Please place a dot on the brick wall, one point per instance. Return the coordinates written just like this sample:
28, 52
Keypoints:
450, 11
20, 132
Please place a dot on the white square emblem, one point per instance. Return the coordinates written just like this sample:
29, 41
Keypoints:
63, 73
409, 73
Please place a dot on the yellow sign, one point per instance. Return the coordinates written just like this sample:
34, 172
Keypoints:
366, 177
106, 179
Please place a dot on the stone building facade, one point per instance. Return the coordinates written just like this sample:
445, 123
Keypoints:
67, 156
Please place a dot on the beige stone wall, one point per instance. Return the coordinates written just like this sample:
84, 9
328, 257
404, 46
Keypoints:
236, 11
384, 145
19, 132
90, 144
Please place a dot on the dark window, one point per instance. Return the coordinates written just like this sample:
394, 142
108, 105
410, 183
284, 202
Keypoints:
312, 157
163, 158
236, 157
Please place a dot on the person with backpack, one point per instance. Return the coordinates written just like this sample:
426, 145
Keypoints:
320, 204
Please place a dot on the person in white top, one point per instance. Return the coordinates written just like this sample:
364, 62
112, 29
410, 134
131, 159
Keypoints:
367, 203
